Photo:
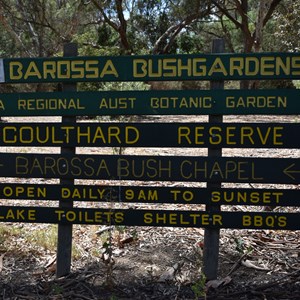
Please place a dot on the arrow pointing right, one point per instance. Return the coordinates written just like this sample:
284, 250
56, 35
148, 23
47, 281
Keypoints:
287, 171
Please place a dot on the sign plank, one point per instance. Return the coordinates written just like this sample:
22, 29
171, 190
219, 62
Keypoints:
150, 194
155, 168
152, 67
163, 218
197, 135
167, 102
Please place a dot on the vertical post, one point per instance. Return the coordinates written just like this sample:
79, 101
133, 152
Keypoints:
64, 239
212, 235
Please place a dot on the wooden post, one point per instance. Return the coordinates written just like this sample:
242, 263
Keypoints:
211, 236
64, 240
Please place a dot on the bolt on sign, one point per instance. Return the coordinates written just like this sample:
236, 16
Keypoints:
163, 168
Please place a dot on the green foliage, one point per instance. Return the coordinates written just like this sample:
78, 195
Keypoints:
39, 28
105, 34
8, 233
43, 238
241, 246
199, 288
187, 43
286, 29
57, 289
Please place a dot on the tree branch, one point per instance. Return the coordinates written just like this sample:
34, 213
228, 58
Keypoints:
173, 31
272, 7
14, 35
227, 35
225, 12
122, 30
106, 18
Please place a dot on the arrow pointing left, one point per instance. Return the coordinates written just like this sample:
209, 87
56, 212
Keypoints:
287, 171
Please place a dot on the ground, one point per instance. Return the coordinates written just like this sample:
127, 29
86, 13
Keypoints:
153, 262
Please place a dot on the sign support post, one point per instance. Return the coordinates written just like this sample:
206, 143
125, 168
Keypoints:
64, 240
212, 235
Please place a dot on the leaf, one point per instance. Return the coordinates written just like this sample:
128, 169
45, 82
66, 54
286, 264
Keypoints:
249, 264
1, 261
218, 282
170, 273
50, 262
127, 240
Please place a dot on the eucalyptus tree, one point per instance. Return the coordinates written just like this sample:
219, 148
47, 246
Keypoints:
150, 26
40, 27
249, 17
287, 29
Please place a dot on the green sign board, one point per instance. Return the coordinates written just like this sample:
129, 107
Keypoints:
226, 135
154, 168
152, 67
150, 194
166, 102
169, 218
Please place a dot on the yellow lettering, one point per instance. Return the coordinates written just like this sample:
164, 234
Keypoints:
199, 64
32, 71
251, 66
296, 66
214, 137
236, 66
15, 70
109, 69
267, 66
184, 132
187, 67
92, 70
217, 67
49, 68
169, 67
77, 68
63, 69
139, 68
